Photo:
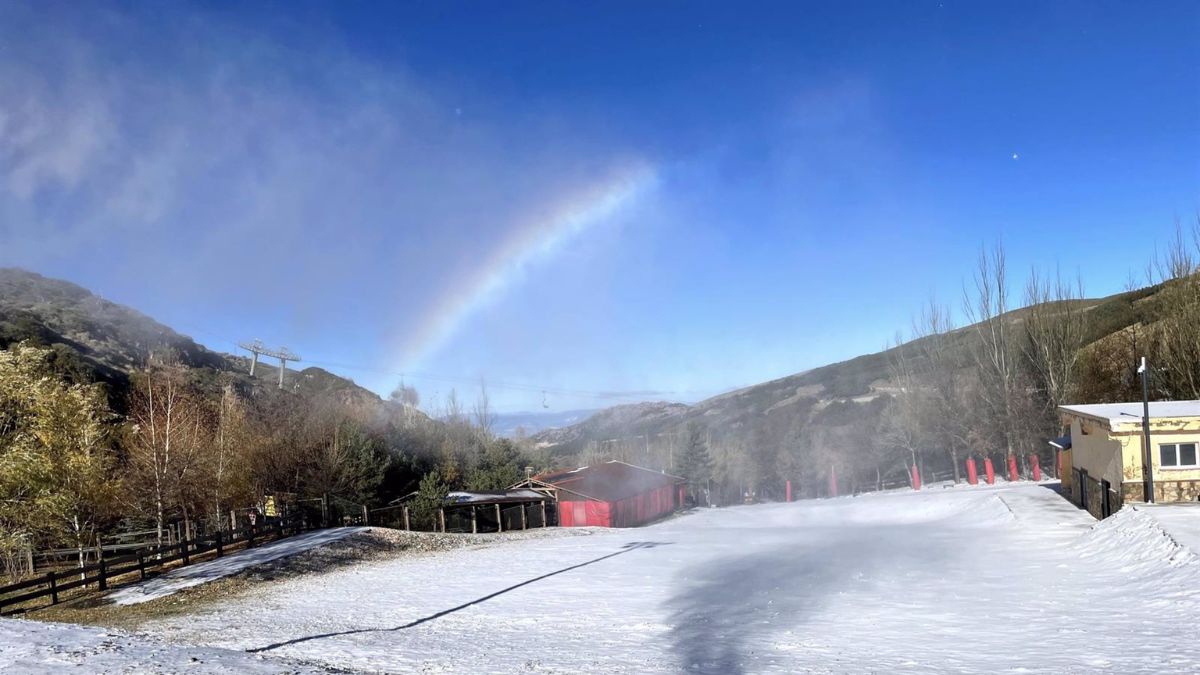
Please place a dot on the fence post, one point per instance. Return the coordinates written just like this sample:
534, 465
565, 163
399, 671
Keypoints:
232, 520
53, 588
406, 518
219, 551
103, 580
366, 516
183, 545
142, 564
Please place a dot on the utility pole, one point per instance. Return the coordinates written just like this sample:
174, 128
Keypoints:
283, 354
1147, 456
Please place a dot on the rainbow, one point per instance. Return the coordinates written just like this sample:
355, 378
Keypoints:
536, 240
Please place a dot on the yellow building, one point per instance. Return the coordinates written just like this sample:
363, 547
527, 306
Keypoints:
1104, 451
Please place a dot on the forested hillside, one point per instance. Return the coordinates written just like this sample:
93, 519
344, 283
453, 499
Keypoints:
941, 393
111, 421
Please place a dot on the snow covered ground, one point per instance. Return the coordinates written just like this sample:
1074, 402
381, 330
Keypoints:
194, 575
1009, 579
976, 580
29, 647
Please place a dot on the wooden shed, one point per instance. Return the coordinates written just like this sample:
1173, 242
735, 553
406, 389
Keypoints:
612, 494
495, 511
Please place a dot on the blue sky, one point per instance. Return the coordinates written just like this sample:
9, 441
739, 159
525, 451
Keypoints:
413, 188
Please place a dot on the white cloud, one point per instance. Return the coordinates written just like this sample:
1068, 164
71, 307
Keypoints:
218, 162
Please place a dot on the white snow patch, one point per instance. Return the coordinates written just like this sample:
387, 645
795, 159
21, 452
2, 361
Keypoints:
233, 563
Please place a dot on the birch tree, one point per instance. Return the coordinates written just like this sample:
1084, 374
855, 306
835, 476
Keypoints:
166, 435
226, 462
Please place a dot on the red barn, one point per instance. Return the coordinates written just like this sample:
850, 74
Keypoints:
612, 494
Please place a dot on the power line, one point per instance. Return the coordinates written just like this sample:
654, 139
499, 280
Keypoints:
492, 384
451, 379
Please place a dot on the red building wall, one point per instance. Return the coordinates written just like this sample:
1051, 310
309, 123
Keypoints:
630, 512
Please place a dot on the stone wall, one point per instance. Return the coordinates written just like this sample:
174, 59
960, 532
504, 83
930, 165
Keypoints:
1095, 497
1165, 491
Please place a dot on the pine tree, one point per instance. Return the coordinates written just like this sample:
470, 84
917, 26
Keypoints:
431, 496
696, 463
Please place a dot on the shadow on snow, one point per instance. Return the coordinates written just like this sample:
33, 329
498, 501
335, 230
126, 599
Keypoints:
727, 604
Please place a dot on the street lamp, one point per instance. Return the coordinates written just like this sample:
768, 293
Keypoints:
1148, 458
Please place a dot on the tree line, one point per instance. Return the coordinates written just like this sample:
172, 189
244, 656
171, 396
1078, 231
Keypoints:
195, 444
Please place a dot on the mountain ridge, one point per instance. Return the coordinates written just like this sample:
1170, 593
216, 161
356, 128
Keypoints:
98, 340
739, 414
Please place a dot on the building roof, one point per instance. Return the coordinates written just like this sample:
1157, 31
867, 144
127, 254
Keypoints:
609, 482
1062, 442
460, 497
1129, 413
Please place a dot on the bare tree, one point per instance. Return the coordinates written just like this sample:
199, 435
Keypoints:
485, 420
1055, 322
225, 463
904, 428
166, 435
408, 398
1176, 336
945, 408
995, 351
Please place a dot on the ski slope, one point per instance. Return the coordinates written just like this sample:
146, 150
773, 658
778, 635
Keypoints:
975, 580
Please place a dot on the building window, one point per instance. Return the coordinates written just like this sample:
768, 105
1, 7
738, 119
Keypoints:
1177, 455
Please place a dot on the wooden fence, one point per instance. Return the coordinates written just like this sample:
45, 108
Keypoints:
14, 597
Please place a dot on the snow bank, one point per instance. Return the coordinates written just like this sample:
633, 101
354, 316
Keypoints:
233, 563
1180, 521
1136, 543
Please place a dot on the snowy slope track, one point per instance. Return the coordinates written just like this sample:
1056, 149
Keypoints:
233, 563
962, 580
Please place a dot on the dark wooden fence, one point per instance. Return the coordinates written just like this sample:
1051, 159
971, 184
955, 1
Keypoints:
15, 597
